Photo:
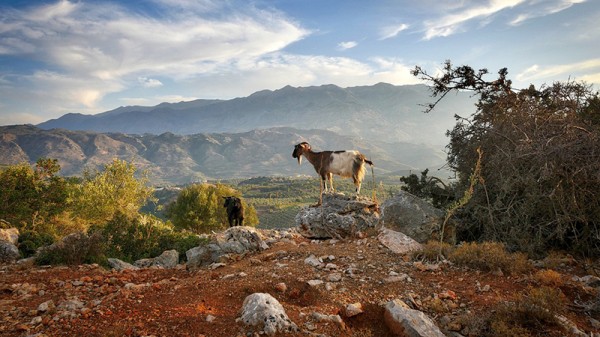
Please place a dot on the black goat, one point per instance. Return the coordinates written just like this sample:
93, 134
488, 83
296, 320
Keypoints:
235, 211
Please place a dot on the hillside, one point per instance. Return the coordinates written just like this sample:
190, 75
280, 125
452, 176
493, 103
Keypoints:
91, 301
381, 112
180, 159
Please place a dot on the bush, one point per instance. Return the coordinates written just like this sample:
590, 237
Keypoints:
433, 251
528, 314
143, 236
74, 249
489, 256
539, 181
30, 241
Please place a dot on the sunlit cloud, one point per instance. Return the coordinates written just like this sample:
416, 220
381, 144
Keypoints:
392, 31
92, 49
453, 23
347, 45
579, 69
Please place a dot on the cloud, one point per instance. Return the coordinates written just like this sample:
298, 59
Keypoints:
392, 31
347, 45
453, 23
536, 9
580, 69
149, 82
86, 50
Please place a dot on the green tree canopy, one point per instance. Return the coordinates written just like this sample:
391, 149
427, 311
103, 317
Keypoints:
541, 157
102, 194
199, 208
31, 196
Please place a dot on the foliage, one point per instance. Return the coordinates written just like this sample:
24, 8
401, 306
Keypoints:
74, 249
541, 163
489, 256
199, 208
114, 190
30, 197
143, 236
30, 241
528, 314
428, 188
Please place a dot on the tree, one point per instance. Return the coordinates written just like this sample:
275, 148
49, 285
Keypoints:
31, 197
429, 188
102, 194
539, 170
199, 208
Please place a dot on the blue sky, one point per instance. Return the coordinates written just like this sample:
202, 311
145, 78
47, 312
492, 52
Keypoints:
91, 56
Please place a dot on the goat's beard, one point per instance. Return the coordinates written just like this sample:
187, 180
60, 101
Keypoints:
299, 160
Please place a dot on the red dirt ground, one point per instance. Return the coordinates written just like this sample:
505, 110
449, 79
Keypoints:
177, 302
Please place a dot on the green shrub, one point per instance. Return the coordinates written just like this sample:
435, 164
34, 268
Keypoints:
30, 241
76, 248
144, 236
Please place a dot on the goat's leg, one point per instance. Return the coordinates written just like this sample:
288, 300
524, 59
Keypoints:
331, 182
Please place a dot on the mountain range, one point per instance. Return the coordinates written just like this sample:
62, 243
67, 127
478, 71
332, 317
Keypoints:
184, 142
379, 112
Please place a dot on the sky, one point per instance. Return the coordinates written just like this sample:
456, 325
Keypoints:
91, 56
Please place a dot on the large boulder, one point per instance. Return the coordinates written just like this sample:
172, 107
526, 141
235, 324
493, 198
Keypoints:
412, 216
9, 253
339, 217
221, 246
263, 311
404, 321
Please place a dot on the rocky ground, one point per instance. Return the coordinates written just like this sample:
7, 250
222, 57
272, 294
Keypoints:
317, 283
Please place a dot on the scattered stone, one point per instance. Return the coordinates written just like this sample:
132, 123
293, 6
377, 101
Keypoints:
334, 277
329, 318
210, 318
314, 283
353, 309
9, 253
47, 306
313, 261
281, 287
265, 312
404, 321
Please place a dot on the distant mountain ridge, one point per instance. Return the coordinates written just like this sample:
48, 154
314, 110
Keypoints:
382, 112
180, 159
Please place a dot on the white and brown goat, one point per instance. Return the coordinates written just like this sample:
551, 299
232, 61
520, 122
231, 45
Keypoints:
346, 164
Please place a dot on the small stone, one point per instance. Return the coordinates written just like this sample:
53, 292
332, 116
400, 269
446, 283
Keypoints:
281, 287
210, 318
353, 309
334, 277
314, 283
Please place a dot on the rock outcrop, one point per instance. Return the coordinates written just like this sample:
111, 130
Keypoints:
234, 241
339, 217
412, 216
